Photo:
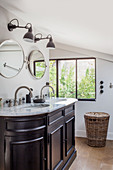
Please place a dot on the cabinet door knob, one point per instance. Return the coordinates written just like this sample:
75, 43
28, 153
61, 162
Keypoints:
44, 159
65, 140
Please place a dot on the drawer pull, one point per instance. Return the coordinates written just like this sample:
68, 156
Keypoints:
27, 130
26, 142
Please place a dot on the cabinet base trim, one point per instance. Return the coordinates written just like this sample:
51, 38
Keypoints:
70, 160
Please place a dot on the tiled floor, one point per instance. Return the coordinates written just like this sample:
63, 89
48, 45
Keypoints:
93, 158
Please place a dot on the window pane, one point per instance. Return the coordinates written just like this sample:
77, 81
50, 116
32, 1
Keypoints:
66, 78
52, 74
86, 79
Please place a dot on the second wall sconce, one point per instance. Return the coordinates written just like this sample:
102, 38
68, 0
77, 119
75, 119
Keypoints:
29, 37
39, 37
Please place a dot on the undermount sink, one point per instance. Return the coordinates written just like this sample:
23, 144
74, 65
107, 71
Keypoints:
57, 99
41, 105
61, 100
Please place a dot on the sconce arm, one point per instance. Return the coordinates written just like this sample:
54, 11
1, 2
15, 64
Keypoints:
41, 38
13, 26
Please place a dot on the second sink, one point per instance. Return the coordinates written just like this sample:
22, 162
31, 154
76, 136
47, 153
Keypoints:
41, 105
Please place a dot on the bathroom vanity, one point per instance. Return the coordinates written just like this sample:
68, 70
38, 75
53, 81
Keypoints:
38, 136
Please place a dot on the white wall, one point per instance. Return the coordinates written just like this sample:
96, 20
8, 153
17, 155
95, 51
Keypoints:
104, 102
8, 86
66, 50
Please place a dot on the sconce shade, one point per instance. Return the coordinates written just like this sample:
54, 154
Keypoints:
29, 36
50, 44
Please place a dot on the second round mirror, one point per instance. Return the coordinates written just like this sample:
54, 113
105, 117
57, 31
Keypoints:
36, 65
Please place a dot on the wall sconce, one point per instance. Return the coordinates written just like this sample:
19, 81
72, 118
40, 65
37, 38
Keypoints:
50, 44
28, 36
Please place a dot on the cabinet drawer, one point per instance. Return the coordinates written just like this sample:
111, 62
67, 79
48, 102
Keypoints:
70, 109
25, 125
55, 116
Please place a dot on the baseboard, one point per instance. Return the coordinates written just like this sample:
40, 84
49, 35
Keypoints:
70, 160
110, 136
82, 133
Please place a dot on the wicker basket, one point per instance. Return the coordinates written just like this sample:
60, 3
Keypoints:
96, 128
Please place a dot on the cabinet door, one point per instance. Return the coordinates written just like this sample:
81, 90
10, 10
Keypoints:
69, 136
25, 154
56, 148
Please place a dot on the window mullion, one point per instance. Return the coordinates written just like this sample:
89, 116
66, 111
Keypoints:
57, 78
76, 78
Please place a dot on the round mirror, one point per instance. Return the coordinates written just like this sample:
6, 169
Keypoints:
36, 65
11, 58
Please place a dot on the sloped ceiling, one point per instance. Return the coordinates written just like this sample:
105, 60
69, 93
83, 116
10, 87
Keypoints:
81, 23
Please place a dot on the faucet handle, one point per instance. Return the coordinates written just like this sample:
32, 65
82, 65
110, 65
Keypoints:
10, 103
15, 102
20, 101
23, 99
37, 96
7, 101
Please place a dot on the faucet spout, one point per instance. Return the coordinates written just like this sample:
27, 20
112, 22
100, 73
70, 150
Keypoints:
47, 85
21, 87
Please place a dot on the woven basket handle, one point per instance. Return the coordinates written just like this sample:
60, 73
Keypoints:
92, 119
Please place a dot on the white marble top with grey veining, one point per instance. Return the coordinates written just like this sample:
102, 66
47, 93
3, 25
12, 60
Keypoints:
30, 109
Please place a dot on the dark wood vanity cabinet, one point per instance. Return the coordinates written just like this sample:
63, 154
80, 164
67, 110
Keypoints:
44, 142
61, 138
56, 140
24, 153
24, 143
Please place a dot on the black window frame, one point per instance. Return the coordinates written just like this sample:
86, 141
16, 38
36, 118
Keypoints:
76, 59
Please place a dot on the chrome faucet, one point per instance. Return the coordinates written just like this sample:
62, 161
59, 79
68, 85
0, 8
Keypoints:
21, 87
47, 85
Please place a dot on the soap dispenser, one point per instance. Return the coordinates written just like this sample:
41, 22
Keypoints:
28, 97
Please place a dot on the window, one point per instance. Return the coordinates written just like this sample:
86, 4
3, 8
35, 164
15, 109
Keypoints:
53, 74
86, 79
66, 78
73, 78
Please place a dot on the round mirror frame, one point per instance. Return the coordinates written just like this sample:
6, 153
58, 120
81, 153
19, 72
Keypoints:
29, 57
2, 43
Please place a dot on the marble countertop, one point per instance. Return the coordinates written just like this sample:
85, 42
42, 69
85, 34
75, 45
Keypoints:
30, 109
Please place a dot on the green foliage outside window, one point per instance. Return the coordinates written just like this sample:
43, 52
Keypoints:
52, 74
67, 82
86, 87
39, 69
67, 86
